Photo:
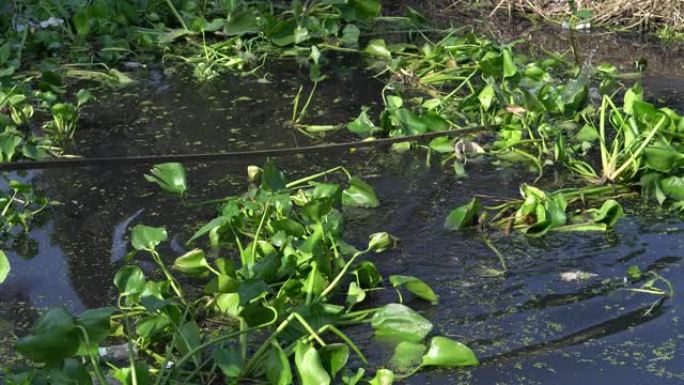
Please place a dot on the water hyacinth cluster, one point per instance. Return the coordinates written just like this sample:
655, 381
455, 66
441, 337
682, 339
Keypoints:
269, 301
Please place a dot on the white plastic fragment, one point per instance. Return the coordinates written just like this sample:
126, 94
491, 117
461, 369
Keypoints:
577, 275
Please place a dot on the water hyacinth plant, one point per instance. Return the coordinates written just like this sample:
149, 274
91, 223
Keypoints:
268, 301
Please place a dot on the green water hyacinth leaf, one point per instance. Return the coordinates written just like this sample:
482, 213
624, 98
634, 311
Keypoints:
396, 322
355, 294
634, 273
416, 286
309, 366
353, 10
407, 355
351, 378
169, 176
609, 213
128, 376
447, 353
350, 35
377, 47
4, 266
194, 262
229, 361
277, 366
96, 323
486, 97
229, 304
187, 337
359, 194
334, 357
147, 237
463, 216
382, 377
362, 125
55, 336
129, 280
442, 144
272, 179
673, 187
509, 67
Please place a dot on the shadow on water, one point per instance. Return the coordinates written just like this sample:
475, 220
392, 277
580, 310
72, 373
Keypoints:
530, 327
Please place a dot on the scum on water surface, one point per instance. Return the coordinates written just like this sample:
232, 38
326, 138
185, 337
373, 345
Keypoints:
279, 248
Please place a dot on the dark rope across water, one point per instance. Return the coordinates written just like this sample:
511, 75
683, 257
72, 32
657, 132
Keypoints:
207, 157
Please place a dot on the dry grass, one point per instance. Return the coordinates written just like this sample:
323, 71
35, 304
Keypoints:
621, 14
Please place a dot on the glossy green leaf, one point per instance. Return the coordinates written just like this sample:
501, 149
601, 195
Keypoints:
290, 227
53, 337
309, 366
355, 294
509, 67
673, 187
416, 286
447, 353
367, 275
147, 237
407, 355
229, 304
377, 47
608, 213
396, 322
4, 266
194, 262
334, 357
463, 216
359, 194
382, 377
129, 280
486, 97
277, 366
362, 125
128, 376
169, 176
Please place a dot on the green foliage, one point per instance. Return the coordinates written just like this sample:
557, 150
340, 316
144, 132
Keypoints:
272, 305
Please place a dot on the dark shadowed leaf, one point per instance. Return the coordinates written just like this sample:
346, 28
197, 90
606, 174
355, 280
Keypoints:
463, 216
271, 178
53, 337
229, 361
608, 213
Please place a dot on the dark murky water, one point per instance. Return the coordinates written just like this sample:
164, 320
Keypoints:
530, 327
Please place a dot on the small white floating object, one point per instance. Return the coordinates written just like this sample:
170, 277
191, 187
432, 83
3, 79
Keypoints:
51, 22
572, 276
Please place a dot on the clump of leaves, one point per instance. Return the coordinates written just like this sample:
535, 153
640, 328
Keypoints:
266, 297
